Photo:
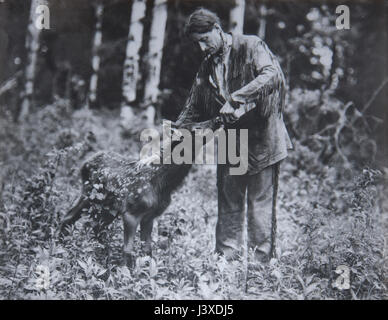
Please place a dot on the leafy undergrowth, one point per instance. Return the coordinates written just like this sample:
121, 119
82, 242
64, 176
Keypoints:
324, 221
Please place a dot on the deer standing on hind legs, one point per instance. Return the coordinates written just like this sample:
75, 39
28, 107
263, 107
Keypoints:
139, 191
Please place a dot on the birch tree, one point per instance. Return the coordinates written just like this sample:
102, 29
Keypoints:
97, 40
236, 17
131, 63
262, 21
39, 19
155, 54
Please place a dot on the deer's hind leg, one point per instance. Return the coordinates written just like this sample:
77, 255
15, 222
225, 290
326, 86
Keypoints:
74, 213
130, 225
104, 220
147, 224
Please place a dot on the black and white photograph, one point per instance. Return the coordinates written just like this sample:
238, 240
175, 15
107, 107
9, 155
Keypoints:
174, 150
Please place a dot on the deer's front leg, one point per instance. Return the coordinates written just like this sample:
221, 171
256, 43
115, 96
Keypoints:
146, 225
130, 225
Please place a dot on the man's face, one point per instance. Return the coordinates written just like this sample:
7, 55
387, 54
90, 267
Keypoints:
209, 42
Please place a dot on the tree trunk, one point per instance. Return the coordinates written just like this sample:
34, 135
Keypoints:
158, 27
92, 94
262, 21
131, 63
237, 17
32, 48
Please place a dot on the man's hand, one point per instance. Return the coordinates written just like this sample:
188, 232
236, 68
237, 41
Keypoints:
228, 113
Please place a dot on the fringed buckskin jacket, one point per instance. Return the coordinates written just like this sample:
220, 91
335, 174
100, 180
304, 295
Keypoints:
254, 77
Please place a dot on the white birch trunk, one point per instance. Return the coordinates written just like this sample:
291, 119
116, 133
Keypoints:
131, 63
97, 40
155, 55
262, 21
32, 47
236, 17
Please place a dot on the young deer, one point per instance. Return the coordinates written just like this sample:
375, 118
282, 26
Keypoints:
138, 191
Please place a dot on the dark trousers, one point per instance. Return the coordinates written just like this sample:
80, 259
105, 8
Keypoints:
259, 192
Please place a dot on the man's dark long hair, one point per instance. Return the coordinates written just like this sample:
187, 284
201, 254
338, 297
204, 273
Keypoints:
201, 21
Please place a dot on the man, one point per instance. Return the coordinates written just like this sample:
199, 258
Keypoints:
241, 79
